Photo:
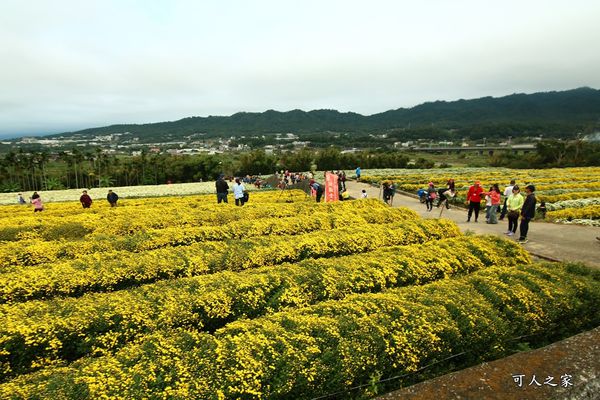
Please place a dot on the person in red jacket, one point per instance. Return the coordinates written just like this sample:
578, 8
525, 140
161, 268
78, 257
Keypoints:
474, 200
85, 199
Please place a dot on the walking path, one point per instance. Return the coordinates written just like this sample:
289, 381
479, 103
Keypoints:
546, 240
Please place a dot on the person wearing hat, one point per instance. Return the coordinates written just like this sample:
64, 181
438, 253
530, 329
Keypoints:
527, 212
474, 200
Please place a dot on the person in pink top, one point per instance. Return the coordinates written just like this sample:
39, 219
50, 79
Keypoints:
494, 195
36, 200
474, 200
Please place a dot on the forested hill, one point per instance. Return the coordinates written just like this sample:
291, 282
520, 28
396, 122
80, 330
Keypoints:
553, 113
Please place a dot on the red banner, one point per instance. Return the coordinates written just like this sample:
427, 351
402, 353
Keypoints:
331, 187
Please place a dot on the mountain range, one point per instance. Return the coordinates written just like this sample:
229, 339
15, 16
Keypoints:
558, 112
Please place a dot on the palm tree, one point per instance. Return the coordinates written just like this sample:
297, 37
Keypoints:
41, 159
68, 160
77, 160
11, 161
54, 184
91, 158
106, 180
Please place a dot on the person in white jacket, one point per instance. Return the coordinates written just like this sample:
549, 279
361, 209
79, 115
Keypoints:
238, 192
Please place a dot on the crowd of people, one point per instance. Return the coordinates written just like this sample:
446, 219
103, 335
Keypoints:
286, 178
510, 204
443, 195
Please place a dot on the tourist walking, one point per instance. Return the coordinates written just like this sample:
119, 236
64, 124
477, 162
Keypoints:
431, 196
357, 173
507, 192
446, 194
393, 192
85, 200
474, 200
494, 195
514, 203
238, 192
488, 205
527, 212
112, 198
387, 193
36, 200
222, 188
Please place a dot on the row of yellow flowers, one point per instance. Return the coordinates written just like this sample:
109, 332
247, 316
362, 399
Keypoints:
324, 217
464, 176
38, 334
486, 184
122, 220
548, 198
588, 212
120, 269
74, 207
336, 345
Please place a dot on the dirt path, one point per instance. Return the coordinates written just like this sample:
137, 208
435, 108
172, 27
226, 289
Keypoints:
553, 241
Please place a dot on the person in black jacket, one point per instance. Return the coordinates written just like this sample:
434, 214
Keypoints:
222, 188
112, 198
527, 212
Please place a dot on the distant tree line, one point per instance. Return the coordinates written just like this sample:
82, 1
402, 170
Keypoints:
21, 171
28, 171
553, 154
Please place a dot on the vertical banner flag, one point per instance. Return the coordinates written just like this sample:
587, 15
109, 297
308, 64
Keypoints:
331, 187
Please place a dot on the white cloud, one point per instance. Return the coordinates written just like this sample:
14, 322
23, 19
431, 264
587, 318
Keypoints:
69, 64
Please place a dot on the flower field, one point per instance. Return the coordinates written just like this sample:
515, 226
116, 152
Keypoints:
124, 192
572, 195
181, 298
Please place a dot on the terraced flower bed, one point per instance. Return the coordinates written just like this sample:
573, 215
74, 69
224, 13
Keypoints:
188, 299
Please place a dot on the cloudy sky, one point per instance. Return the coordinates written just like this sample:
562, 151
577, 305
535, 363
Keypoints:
72, 64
